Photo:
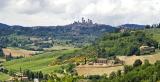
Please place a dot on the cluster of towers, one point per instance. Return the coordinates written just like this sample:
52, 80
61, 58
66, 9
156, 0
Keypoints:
86, 22
83, 21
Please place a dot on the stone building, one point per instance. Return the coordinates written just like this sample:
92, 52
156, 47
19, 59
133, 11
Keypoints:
146, 49
101, 60
108, 61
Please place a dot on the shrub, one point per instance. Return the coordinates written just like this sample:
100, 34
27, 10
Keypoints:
138, 62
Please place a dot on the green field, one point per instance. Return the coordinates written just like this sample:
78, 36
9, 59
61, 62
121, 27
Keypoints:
37, 63
4, 77
155, 32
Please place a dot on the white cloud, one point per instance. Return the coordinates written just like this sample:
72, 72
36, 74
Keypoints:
60, 12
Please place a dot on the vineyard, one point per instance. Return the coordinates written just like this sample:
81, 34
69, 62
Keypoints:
37, 63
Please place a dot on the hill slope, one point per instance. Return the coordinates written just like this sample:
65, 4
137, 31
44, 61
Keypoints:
39, 62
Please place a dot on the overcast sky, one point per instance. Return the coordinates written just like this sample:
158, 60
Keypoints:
61, 12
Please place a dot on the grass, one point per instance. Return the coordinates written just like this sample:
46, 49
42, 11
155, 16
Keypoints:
129, 60
4, 77
37, 63
156, 37
155, 32
59, 47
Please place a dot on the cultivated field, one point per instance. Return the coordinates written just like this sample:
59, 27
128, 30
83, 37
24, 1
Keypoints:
38, 62
91, 70
4, 77
129, 60
18, 52
59, 47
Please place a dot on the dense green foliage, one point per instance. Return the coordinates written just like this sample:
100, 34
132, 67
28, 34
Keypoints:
152, 26
31, 75
126, 43
1, 52
24, 42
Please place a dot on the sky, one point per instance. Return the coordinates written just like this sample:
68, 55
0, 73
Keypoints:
62, 12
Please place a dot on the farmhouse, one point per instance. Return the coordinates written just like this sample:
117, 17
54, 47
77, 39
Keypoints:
108, 61
101, 60
146, 49
104, 62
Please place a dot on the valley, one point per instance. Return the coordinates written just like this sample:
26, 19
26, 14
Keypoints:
79, 40
99, 56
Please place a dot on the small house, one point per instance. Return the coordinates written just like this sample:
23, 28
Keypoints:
146, 49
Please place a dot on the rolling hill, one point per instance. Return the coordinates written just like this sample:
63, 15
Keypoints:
73, 32
39, 62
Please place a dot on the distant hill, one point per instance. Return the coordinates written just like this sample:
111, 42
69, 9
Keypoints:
85, 27
71, 29
77, 32
132, 26
3, 25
